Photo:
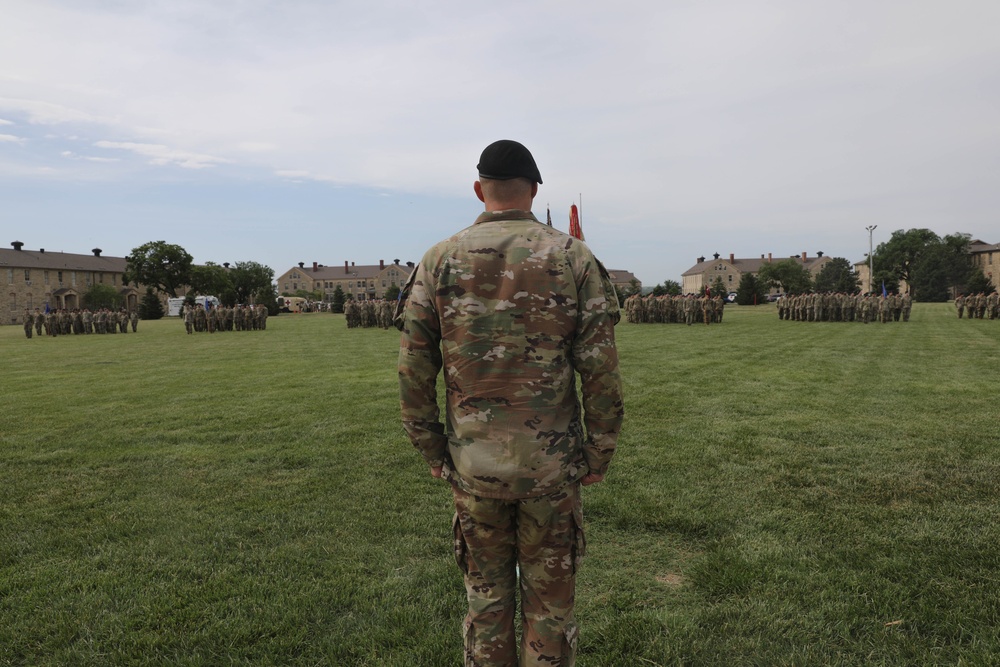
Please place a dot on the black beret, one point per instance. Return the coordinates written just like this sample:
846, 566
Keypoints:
505, 159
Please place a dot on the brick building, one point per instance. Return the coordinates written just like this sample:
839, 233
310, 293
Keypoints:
362, 282
38, 278
705, 272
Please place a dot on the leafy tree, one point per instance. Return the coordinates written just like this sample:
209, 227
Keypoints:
391, 293
942, 269
249, 278
210, 280
789, 275
751, 291
886, 278
719, 287
150, 307
668, 287
978, 282
901, 253
268, 297
159, 264
102, 296
838, 275
337, 300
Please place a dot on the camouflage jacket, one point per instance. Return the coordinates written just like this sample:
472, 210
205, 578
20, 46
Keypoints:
510, 308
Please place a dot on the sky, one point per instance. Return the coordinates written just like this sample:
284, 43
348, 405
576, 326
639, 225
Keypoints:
328, 131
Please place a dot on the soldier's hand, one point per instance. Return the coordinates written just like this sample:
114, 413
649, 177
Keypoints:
591, 478
436, 472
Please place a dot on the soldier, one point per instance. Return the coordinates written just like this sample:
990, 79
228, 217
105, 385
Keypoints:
513, 449
39, 322
907, 305
29, 323
188, 313
959, 305
134, 320
993, 305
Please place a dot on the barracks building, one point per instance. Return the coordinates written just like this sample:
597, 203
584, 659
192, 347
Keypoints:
37, 278
361, 282
705, 272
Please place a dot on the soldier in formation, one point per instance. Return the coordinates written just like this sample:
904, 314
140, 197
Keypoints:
978, 306
842, 307
669, 309
199, 319
79, 322
368, 313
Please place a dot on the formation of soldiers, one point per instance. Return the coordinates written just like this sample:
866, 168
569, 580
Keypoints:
63, 322
238, 318
371, 313
841, 307
978, 306
668, 309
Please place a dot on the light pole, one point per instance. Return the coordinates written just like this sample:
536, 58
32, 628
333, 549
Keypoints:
871, 262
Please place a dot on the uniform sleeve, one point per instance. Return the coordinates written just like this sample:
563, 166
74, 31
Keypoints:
595, 358
419, 365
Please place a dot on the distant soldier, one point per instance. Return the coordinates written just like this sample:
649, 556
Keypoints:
188, 318
959, 305
88, 321
993, 305
134, 319
907, 305
29, 322
39, 322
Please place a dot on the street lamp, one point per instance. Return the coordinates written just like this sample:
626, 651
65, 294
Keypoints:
871, 262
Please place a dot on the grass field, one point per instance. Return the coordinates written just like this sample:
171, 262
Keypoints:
784, 494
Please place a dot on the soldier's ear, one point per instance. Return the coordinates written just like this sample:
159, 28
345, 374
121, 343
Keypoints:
478, 187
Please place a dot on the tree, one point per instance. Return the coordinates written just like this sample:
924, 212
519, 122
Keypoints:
337, 300
633, 287
668, 287
150, 307
213, 280
751, 291
978, 282
268, 297
719, 287
788, 274
249, 278
391, 293
102, 296
901, 253
942, 269
838, 275
159, 264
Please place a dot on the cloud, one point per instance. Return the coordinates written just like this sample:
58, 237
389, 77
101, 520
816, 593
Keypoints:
6, 122
10, 138
163, 155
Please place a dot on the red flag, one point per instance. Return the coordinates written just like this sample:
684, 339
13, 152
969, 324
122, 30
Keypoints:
574, 223
708, 292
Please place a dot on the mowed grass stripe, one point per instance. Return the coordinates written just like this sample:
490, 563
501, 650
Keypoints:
784, 493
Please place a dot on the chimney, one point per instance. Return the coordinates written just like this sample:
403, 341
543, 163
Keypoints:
716, 255
732, 259
803, 257
315, 266
410, 264
302, 265
97, 252
352, 263
819, 253
768, 258
396, 261
17, 245
41, 250
381, 264
226, 264
701, 259
346, 270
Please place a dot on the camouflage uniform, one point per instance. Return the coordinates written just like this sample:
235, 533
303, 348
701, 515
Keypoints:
511, 308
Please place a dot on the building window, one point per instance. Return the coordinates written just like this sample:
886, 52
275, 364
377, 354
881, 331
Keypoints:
350, 284
100, 278
730, 278
10, 276
45, 277
383, 283
27, 275
59, 277
72, 277
114, 279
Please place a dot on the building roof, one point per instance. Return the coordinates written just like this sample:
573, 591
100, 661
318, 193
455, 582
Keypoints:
976, 245
621, 277
749, 265
363, 271
59, 261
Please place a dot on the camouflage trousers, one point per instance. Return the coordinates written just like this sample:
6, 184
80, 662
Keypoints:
541, 537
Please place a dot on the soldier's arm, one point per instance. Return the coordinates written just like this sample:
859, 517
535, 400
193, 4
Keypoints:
419, 365
595, 358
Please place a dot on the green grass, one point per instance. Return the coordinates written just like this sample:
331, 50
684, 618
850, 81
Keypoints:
784, 493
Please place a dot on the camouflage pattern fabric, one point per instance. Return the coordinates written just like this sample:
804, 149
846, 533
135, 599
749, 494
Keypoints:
510, 308
544, 536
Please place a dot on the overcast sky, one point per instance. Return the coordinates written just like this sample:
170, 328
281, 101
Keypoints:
327, 131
